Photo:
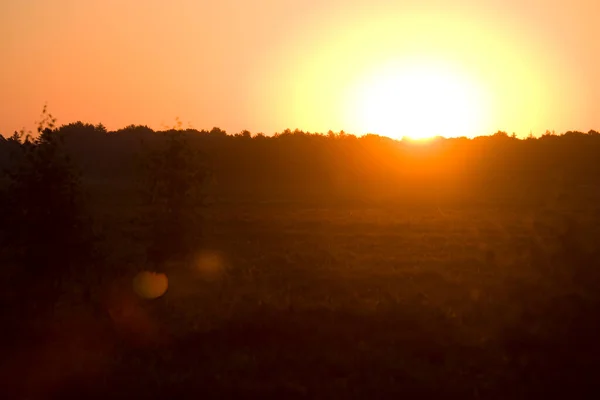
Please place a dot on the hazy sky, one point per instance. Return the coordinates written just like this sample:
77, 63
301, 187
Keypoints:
391, 67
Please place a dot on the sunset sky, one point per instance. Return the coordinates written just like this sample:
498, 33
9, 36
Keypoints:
412, 67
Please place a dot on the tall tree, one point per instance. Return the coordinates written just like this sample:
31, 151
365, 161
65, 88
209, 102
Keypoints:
44, 214
174, 176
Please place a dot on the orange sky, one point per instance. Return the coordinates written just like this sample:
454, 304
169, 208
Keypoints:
268, 65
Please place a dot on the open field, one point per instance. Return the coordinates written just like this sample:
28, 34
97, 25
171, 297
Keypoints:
299, 265
286, 301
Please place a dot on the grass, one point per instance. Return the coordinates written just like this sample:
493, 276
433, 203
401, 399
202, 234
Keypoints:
348, 302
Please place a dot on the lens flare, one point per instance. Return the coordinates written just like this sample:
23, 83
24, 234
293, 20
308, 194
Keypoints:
150, 285
209, 265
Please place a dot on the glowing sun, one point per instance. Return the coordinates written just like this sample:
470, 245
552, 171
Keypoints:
420, 101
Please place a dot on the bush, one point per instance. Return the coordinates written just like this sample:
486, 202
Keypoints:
44, 223
174, 175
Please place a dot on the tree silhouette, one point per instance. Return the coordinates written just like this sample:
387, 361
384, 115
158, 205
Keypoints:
174, 177
44, 213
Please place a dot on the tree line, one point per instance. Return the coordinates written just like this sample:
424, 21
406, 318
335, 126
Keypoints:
333, 167
297, 164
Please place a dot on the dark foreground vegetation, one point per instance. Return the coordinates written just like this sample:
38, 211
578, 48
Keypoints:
300, 266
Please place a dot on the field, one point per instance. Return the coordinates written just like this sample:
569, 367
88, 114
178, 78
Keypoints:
307, 301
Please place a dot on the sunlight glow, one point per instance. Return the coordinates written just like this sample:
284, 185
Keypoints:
420, 100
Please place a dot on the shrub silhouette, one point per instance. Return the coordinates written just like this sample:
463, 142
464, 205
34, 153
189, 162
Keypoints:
43, 213
173, 178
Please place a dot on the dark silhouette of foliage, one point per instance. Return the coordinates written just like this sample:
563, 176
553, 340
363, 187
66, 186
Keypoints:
342, 167
43, 214
174, 177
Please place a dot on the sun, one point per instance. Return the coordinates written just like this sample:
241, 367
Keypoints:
419, 101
